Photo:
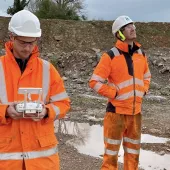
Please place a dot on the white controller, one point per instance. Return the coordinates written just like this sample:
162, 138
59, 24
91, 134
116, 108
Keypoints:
28, 106
31, 107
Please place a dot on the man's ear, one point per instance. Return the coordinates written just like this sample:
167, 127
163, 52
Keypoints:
11, 37
117, 35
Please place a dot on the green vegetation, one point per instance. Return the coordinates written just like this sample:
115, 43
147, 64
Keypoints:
58, 9
17, 6
51, 9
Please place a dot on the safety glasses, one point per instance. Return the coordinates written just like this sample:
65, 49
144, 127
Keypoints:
25, 43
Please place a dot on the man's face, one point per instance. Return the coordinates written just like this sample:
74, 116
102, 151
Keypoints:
130, 32
23, 46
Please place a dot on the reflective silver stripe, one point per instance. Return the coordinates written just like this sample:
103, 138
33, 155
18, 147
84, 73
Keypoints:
112, 141
148, 79
133, 151
7, 103
56, 109
113, 85
147, 75
139, 51
130, 82
109, 152
46, 79
97, 86
115, 51
125, 139
97, 78
58, 97
129, 95
3, 92
28, 155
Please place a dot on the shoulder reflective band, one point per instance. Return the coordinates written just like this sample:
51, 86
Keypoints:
115, 51
28, 155
139, 51
46, 79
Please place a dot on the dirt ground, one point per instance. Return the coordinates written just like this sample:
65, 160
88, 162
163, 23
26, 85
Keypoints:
86, 105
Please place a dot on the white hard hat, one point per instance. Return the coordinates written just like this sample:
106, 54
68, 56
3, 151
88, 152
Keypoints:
24, 23
120, 22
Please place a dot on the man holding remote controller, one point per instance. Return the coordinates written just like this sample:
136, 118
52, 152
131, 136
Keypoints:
28, 142
125, 67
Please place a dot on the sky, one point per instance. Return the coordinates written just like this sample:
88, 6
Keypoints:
137, 10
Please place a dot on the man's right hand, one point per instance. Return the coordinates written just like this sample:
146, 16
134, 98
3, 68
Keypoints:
12, 113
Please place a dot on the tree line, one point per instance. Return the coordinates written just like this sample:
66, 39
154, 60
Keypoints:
51, 9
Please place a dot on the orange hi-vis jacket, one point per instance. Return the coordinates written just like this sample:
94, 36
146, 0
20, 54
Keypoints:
128, 76
25, 139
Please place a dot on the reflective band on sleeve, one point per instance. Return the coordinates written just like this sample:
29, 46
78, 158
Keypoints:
56, 109
97, 86
129, 95
112, 141
113, 85
125, 139
28, 155
97, 78
148, 79
109, 152
133, 151
3, 92
58, 97
46, 79
147, 75
115, 51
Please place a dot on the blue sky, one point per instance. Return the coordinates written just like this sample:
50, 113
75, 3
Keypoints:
138, 10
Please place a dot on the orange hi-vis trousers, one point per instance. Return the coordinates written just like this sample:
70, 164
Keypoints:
118, 127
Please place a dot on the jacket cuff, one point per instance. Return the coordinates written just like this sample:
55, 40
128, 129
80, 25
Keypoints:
50, 114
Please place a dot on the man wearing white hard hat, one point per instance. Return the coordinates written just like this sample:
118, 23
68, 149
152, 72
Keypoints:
27, 139
125, 67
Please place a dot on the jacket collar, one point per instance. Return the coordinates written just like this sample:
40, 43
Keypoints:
123, 46
9, 55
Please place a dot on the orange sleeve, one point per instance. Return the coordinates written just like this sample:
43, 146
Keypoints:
147, 76
59, 103
100, 74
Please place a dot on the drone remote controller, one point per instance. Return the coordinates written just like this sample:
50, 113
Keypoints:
29, 107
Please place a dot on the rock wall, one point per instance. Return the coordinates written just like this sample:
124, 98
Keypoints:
62, 35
